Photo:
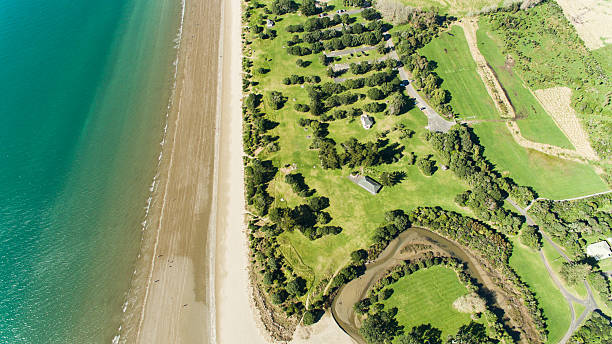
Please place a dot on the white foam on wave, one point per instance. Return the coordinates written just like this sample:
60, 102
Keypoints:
177, 40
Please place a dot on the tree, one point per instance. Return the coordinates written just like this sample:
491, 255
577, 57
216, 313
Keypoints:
308, 7
421, 334
386, 179
280, 7
318, 203
398, 104
575, 272
297, 287
359, 256
427, 166
370, 14
531, 237
375, 94
472, 333
380, 327
279, 296
275, 100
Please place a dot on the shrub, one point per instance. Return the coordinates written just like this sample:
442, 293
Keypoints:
531, 237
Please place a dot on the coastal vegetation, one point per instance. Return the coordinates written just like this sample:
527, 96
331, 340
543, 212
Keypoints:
325, 104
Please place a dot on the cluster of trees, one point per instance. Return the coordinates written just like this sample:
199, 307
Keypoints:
459, 149
298, 184
258, 174
366, 66
426, 165
596, 330
276, 277
530, 236
576, 272
280, 7
492, 247
568, 221
298, 79
424, 28
320, 39
310, 219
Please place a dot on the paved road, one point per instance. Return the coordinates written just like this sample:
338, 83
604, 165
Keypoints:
589, 303
435, 122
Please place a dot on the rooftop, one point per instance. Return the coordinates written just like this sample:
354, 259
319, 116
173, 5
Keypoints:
369, 184
599, 250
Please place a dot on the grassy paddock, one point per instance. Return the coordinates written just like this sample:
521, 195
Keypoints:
352, 208
535, 123
426, 297
458, 70
556, 262
528, 264
551, 177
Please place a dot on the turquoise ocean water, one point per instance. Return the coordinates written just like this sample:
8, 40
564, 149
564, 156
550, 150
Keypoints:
84, 87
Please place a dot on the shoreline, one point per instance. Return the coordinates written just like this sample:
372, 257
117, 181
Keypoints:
171, 299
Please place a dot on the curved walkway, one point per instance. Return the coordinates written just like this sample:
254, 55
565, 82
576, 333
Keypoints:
589, 303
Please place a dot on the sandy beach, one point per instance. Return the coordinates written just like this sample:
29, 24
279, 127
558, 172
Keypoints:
235, 316
178, 300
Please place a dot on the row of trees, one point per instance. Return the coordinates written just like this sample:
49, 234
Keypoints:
460, 150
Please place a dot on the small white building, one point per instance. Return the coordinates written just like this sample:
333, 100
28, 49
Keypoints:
269, 23
599, 250
366, 121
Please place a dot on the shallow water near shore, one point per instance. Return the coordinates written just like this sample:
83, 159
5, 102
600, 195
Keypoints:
84, 89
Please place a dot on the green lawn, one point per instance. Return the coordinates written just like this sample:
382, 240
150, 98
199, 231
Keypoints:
531, 269
606, 264
458, 70
454, 7
426, 297
352, 208
364, 212
551, 177
535, 123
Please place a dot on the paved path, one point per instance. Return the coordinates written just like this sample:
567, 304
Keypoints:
589, 303
568, 199
435, 122
350, 51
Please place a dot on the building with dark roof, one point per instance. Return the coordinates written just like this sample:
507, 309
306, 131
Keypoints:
367, 183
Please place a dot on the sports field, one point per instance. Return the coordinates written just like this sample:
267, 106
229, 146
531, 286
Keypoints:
426, 297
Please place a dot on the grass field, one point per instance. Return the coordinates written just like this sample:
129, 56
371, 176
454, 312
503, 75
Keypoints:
364, 212
426, 297
352, 208
551, 177
458, 70
454, 7
606, 264
529, 266
535, 124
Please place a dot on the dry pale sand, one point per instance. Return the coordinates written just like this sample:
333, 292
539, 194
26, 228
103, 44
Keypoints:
591, 18
177, 302
236, 320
